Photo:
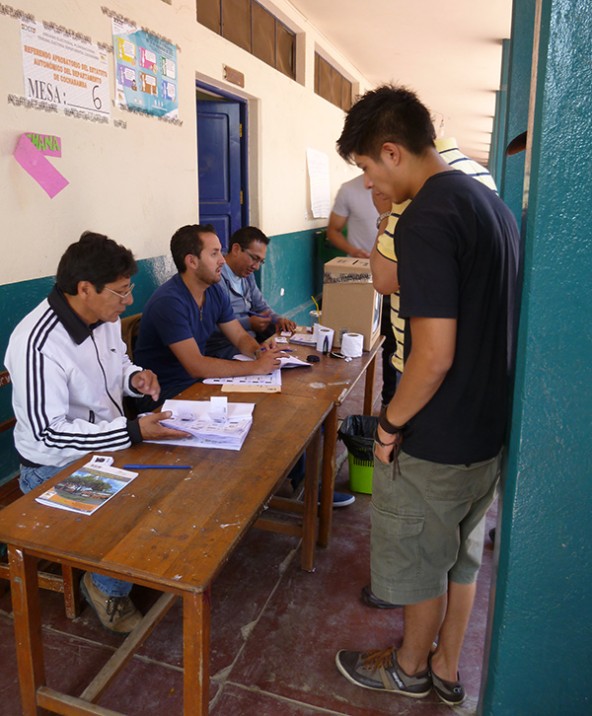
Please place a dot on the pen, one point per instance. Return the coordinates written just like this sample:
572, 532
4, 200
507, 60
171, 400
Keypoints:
157, 467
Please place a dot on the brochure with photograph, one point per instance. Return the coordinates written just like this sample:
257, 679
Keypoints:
87, 488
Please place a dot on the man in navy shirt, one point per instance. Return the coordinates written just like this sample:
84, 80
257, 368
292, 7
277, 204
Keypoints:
183, 312
438, 444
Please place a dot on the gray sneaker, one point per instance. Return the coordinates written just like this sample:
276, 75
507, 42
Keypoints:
380, 671
117, 614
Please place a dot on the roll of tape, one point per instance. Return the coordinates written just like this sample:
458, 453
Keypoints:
352, 344
324, 339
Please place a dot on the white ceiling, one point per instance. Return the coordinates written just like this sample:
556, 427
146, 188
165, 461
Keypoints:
448, 52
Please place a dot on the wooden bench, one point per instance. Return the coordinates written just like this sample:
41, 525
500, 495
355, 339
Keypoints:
66, 581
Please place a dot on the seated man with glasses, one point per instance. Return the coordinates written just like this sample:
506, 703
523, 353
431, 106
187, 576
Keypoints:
69, 373
246, 253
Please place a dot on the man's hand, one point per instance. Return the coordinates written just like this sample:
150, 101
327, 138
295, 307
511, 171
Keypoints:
285, 324
358, 253
146, 382
268, 359
260, 322
391, 445
151, 428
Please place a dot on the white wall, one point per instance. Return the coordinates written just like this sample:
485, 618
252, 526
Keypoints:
139, 184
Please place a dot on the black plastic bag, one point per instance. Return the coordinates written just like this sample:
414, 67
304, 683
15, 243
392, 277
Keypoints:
357, 432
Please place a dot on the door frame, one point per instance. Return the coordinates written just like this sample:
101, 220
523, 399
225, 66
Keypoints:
243, 105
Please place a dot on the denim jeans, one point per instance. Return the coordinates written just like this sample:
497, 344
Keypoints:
32, 477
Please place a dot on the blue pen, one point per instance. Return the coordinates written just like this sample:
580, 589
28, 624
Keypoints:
157, 467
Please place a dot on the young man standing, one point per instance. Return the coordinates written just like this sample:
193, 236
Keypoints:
183, 313
439, 441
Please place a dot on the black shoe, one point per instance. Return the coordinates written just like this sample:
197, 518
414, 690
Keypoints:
371, 600
451, 693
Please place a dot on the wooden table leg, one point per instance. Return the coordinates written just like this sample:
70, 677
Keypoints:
27, 627
311, 498
369, 386
196, 653
328, 478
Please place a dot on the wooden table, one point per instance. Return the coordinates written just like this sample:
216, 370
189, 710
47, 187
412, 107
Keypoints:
331, 378
170, 530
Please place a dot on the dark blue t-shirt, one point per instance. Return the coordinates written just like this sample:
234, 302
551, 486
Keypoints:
457, 246
172, 315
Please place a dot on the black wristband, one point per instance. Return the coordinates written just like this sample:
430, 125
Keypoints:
378, 441
387, 426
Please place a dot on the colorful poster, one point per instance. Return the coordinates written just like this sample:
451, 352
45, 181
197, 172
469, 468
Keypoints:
146, 76
64, 71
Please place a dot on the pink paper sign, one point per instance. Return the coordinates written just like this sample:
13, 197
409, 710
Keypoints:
33, 162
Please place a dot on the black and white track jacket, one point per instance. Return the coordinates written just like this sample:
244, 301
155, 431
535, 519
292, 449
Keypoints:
68, 381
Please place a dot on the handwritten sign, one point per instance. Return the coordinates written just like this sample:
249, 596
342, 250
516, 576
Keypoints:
48, 144
64, 71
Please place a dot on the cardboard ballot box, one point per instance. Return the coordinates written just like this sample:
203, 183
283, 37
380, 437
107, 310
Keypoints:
350, 302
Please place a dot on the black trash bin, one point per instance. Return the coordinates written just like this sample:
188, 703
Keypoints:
357, 432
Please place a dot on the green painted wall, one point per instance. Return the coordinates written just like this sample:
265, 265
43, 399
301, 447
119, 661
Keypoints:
541, 630
291, 265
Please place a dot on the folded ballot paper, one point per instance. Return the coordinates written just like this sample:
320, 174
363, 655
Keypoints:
211, 423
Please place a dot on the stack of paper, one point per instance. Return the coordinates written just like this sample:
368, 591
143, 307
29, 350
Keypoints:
304, 339
271, 383
193, 417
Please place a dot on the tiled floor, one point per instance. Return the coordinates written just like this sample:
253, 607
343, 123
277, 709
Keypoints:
275, 631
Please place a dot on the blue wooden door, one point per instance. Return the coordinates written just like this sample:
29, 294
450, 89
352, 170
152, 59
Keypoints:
220, 166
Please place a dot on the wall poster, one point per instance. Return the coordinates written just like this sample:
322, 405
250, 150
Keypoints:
64, 71
146, 71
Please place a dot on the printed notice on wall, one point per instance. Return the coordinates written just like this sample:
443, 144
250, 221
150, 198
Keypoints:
64, 71
318, 173
146, 71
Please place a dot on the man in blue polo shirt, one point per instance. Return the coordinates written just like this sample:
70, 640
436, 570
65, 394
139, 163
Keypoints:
183, 312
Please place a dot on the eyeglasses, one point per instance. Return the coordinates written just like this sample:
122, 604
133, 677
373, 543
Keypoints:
255, 259
122, 296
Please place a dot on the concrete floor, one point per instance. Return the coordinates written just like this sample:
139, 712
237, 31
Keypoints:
275, 631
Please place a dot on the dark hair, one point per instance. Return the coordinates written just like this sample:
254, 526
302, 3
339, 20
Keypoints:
386, 114
244, 237
187, 240
94, 258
